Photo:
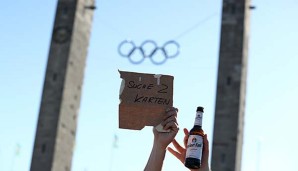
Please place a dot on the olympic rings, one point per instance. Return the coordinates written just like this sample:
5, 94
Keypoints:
148, 49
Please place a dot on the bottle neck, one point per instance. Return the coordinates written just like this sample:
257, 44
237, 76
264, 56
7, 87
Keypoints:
199, 119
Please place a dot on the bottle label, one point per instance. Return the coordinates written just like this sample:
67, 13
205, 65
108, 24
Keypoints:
198, 120
194, 147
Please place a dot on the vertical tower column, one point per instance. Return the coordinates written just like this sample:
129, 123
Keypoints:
56, 128
231, 86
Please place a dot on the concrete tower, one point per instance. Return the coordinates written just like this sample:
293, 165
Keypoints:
56, 128
231, 87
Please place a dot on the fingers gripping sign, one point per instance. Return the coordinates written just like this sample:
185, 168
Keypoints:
169, 120
169, 127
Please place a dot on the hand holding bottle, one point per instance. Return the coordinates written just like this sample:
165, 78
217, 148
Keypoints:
181, 151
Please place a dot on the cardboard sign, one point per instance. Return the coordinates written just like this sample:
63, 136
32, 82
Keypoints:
144, 99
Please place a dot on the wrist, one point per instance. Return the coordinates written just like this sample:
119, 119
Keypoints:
156, 158
159, 145
159, 149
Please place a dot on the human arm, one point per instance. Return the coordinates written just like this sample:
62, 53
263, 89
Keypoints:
162, 140
180, 151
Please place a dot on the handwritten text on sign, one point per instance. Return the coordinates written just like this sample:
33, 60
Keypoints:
144, 98
151, 99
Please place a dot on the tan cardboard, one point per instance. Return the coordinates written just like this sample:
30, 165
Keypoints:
143, 99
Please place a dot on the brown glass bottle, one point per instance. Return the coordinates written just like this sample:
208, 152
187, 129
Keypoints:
194, 147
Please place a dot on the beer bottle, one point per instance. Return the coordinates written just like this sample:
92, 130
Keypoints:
194, 147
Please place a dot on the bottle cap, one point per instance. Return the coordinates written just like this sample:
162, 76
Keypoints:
201, 109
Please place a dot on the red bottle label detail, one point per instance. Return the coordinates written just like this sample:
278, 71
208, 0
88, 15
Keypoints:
194, 147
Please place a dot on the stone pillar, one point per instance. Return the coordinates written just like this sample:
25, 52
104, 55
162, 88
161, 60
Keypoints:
231, 86
57, 122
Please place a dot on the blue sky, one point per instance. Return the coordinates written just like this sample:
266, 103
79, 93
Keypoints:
272, 84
